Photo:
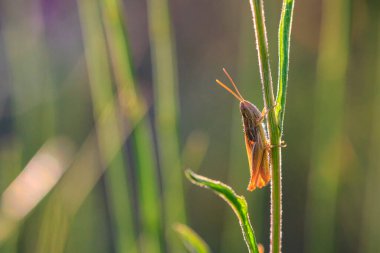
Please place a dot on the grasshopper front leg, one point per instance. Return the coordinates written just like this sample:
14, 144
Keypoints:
264, 113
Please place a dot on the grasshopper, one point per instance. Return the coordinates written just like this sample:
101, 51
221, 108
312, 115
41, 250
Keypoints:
256, 141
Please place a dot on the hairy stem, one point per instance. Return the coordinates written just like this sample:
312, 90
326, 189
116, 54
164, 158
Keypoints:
275, 117
274, 133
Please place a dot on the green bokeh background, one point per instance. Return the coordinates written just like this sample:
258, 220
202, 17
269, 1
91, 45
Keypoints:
56, 73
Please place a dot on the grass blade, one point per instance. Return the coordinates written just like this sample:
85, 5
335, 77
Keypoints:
193, 242
283, 58
109, 136
54, 228
166, 105
236, 202
272, 123
133, 106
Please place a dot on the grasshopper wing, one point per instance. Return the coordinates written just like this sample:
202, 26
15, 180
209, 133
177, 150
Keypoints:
265, 168
255, 153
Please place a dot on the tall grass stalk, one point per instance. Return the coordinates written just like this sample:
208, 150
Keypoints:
166, 94
54, 228
133, 106
85, 170
324, 178
275, 117
371, 222
150, 203
274, 133
108, 135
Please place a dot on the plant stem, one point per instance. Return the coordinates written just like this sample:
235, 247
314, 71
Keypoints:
262, 49
273, 127
166, 109
276, 117
148, 190
109, 136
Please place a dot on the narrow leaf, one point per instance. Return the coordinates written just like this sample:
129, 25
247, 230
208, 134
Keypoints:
283, 58
236, 202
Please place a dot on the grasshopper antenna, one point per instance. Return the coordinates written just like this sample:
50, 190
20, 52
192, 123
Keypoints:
233, 83
229, 90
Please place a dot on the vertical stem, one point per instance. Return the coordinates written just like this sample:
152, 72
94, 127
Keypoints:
257, 9
276, 201
109, 135
274, 133
133, 106
165, 84
54, 228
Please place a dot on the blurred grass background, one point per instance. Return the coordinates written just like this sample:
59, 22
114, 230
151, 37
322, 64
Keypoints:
104, 103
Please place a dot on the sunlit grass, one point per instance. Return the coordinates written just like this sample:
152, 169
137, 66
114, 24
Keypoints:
165, 82
109, 135
237, 203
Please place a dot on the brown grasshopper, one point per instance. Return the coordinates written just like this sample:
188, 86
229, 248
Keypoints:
256, 141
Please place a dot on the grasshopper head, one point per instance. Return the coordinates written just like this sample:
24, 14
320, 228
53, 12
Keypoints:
249, 110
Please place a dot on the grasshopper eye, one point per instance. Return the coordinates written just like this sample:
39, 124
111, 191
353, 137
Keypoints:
243, 107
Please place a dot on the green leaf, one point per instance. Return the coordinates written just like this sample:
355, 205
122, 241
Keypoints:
192, 241
283, 58
236, 202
